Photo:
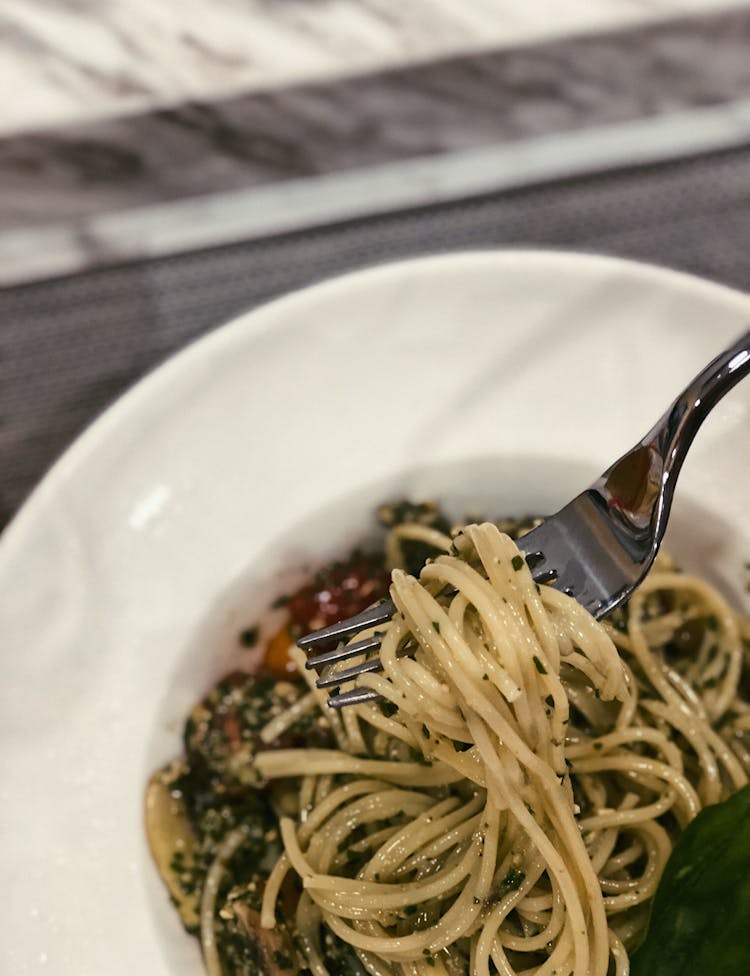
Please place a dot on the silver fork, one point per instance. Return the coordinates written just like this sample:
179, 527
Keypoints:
598, 547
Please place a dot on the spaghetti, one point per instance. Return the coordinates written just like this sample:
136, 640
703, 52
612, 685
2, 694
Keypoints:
509, 805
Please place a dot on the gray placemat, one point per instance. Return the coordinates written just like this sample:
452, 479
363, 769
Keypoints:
69, 347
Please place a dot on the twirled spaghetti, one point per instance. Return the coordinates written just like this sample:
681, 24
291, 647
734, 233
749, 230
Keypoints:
510, 804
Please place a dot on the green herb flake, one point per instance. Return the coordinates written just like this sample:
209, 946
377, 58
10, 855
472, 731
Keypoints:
436, 625
425, 732
512, 881
388, 708
485, 677
517, 562
249, 637
550, 701
539, 666
461, 746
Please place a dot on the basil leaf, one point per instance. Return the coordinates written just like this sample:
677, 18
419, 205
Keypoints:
700, 921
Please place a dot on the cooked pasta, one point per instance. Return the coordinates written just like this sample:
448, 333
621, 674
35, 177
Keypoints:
510, 803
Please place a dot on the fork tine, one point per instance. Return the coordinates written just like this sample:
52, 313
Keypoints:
548, 576
355, 696
379, 614
343, 653
334, 678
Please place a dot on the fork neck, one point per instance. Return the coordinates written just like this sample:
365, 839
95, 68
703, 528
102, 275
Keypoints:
640, 485
673, 434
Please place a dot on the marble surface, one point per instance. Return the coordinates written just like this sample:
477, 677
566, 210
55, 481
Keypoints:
268, 162
71, 60
445, 106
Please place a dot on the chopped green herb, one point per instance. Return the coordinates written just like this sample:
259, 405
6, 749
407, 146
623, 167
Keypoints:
425, 732
539, 666
436, 625
550, 701
388, 708
517, 562
512, 880
485, 677
249, 637
461, 746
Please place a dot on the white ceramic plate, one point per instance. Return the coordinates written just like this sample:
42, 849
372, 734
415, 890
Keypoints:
498, 380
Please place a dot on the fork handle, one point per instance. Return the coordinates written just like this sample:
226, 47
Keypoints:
641, 483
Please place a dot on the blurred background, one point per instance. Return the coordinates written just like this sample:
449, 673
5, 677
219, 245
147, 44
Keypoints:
168, 164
